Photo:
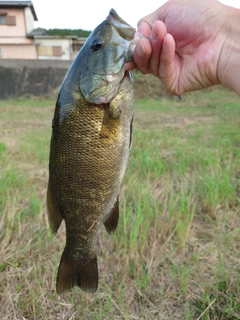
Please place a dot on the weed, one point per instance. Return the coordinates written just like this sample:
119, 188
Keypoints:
175, 253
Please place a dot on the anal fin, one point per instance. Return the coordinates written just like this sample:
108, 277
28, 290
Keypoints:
131, 129
54, 216
111, 221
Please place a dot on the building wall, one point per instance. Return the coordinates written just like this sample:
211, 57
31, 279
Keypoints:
50, 48
20, 51
15, 31
15, 40
29, 24
14, 43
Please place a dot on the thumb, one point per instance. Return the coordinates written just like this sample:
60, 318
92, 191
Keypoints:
144, 25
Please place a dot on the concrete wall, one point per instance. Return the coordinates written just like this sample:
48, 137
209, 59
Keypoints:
44, 77
36, 64
31, 77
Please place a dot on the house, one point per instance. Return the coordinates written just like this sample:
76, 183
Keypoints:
77, 45
16, 22
19, 39
57, 47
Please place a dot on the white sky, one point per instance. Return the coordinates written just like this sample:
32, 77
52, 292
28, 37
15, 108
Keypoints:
87, 14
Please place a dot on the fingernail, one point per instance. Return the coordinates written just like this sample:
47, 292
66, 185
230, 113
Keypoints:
153, 34
140, 50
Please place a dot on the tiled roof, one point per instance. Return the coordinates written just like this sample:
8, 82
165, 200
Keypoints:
37, 32
19, 4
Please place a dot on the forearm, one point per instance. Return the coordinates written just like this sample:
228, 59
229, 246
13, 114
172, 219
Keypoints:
229, 60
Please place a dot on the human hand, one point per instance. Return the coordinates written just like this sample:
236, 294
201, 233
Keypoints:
186, 45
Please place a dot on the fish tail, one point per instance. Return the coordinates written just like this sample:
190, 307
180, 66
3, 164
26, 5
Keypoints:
82, 273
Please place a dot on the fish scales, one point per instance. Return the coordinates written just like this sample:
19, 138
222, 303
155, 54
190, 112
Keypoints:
91, 137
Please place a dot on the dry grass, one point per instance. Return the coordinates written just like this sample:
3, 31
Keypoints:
176, 252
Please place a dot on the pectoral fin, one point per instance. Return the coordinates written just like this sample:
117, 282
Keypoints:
111, 221
116, 105
54, 216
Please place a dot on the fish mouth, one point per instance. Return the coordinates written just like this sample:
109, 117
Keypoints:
109, 88
110, 77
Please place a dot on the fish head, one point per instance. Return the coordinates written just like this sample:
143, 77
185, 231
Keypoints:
103, 59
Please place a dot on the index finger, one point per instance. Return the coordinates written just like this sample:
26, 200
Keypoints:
130, 65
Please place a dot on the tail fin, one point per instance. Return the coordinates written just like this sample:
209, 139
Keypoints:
82, 273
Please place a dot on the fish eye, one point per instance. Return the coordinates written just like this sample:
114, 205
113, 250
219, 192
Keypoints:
96, 44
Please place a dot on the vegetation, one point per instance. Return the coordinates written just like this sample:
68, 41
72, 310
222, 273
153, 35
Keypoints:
175, 254
68, 32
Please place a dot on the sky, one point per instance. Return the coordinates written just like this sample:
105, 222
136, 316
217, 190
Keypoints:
87, 14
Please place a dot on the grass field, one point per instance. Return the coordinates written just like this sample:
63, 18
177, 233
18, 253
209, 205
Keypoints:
176, 252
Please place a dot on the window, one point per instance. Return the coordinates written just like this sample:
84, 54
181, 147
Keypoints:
0, 52
10, 20
3, 19
7, 20
77, 46
57, 51
50, 51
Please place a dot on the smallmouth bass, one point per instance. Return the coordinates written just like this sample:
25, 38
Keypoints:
91, 138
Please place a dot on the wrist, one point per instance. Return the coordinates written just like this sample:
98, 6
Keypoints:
229, 60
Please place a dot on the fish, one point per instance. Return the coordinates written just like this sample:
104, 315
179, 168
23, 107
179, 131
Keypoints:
89, 148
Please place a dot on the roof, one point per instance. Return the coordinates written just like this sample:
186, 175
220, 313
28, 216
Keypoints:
19, 4
46, 36
37, 32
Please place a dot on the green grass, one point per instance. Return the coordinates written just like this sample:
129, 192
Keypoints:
175, 253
